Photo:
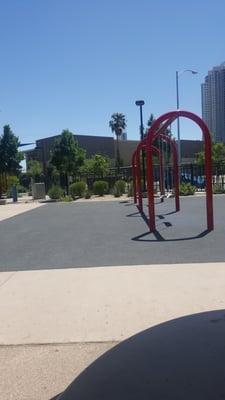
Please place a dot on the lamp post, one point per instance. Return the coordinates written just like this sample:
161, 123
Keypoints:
140, 104
178, 73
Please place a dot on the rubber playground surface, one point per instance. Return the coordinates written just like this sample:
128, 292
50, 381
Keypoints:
111, 233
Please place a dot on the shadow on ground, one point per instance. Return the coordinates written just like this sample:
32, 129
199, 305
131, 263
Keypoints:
181, 359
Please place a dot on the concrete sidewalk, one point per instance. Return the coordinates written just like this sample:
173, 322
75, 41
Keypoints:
10, 209
103, 304
54, 323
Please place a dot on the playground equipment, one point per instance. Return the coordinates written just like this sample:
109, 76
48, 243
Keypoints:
136, 168
157, 131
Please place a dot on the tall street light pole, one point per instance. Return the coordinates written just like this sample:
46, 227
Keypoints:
140, 104
178, 73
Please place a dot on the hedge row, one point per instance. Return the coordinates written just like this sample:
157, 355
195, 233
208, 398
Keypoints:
80, 189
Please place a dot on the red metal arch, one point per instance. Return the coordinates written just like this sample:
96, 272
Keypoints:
136, 169
155, 130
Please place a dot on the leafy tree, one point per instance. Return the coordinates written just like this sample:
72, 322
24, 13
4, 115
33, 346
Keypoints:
149, 123
34, 170
10, 157
97, 165
158, 143
67, 156
218, 154
117, 125
53, 173
24, 180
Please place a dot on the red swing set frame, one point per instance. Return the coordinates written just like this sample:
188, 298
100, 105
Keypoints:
156, 131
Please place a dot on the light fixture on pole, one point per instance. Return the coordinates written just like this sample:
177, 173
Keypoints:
140, 104
178, 73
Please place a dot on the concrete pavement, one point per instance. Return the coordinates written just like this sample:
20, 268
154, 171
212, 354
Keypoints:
103, 304
91, 309
41, 372
10, 209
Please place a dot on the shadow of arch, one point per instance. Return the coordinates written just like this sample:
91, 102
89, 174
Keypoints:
160, 238
180, 359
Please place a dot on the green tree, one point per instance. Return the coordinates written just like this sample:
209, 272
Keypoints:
34, 170
67, 156
164, 146
10, 157
117, 125
97, 165
218, 154
149, 123
53, 173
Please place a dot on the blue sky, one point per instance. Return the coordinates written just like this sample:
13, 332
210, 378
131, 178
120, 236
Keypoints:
72, 63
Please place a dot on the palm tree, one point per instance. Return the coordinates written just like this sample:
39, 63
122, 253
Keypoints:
117, 125
149, 124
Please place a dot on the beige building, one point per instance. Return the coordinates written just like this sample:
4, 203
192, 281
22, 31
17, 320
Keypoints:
106, 146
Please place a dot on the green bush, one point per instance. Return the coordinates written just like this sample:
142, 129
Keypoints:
21, 189
130, 191
12, 180
77, 189
66, 199
217, 189
55, 192
120, 186
87, 194
116, 192
186, 189
100, 187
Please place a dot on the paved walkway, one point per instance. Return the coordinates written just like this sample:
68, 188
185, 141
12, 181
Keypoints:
10, 210
103, 304
92, 309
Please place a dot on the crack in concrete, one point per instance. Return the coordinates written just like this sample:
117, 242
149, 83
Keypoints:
7, 279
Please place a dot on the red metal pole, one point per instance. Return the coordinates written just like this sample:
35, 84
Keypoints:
161, 172
153, 132
161, 176
134, 173
150, 190
208, 176
138, 164
176, 177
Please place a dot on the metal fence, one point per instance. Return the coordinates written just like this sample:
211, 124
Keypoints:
195, 175
189, 173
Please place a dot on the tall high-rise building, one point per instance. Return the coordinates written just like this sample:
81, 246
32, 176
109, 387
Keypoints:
213, 102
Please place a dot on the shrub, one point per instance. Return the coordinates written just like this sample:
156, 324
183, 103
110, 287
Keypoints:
100, 187
87, 194
77, 189
55, 192
120, 186
12, 180
130, 191
116, 192
21, 189
217, 189
186, 189
66, 199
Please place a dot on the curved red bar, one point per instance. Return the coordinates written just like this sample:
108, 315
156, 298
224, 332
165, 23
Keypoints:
154, 132
137, 172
